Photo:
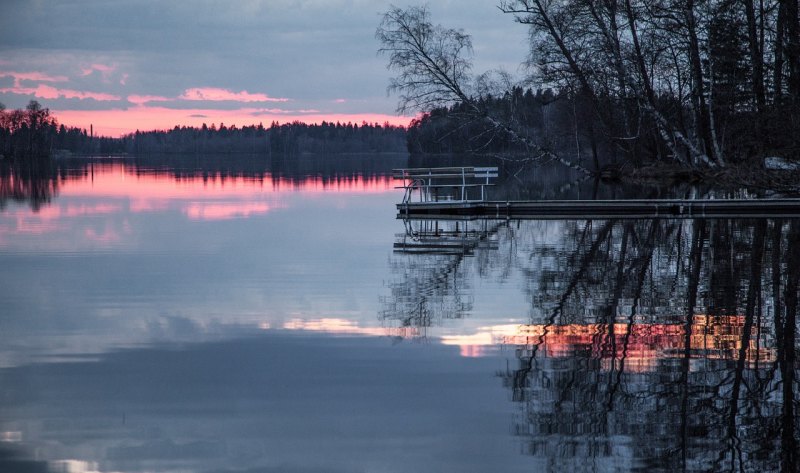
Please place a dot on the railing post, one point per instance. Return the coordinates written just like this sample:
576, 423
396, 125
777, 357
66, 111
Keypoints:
428, 189
463, 184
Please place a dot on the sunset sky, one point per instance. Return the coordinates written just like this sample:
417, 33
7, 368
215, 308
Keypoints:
147, 64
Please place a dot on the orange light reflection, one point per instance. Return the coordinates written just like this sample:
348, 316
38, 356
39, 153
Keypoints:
640, 345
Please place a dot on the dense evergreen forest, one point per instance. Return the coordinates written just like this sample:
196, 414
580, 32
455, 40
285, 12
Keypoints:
289, 139
543, 114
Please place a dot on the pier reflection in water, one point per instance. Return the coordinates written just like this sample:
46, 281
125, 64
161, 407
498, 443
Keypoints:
651, 344
429, 259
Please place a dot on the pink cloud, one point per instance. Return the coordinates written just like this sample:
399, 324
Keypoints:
340, 101
48, 92
269, 111
101, 68
215, 94
143, 99
32, 76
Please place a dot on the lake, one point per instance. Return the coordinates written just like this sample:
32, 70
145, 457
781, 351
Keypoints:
221, 315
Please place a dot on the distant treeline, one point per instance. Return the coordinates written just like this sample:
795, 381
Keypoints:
290, 139
696, 87
34, 132
37, 181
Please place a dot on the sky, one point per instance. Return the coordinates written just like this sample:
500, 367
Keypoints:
148, 64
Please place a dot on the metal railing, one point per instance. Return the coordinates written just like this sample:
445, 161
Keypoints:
445, 184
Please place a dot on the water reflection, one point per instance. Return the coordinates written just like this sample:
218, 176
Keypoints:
128, 253
430, 262
216, 318
33, 181
277, 402
651, 344
38, 182
109, 188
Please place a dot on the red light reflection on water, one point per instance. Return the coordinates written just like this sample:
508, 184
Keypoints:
640, 345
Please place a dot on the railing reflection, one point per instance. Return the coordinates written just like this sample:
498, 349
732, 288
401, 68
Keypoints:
446, 237
432, 278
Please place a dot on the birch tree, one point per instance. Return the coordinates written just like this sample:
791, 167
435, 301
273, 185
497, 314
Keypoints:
699, 83
433, 67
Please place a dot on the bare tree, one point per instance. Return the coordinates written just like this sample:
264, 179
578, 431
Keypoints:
702, 84
433, 65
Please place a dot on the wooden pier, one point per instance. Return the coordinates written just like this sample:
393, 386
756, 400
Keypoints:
600, 209
449, 194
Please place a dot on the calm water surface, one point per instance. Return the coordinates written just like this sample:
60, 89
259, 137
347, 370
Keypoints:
172, 318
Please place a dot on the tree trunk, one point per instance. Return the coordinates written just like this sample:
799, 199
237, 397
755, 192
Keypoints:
793, 49
780, 30
702, 118
756, 56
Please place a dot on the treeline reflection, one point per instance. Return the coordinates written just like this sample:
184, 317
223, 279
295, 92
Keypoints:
34, 181
652, 344
38, 182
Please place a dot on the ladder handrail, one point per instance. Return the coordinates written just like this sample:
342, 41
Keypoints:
428, 181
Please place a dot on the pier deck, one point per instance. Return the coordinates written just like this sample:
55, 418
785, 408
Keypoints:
589, 209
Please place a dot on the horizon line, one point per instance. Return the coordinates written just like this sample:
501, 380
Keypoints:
117, 123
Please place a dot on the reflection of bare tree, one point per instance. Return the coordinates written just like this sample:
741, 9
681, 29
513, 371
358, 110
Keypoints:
787, 353
596, 383
33, 181
37, 181
653, 344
